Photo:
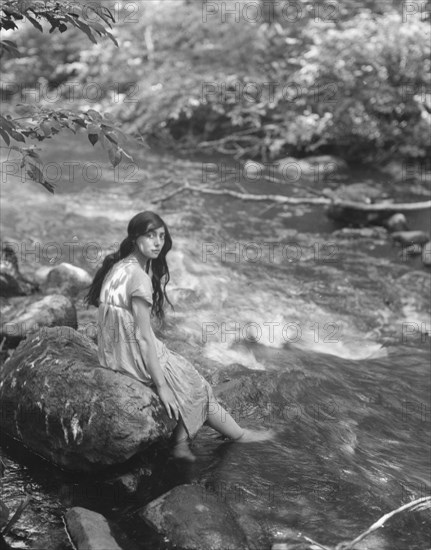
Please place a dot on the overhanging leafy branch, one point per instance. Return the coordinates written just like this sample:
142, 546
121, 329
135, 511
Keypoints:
37, 122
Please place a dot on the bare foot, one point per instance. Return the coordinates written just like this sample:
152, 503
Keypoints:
253, 436
182, 451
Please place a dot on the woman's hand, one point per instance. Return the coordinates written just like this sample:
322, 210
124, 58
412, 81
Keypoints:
168, 400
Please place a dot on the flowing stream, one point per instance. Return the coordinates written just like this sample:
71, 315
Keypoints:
337, 327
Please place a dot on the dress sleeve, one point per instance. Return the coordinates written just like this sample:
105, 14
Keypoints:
140, 285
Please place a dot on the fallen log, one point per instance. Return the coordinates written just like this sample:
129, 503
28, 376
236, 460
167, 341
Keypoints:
381, 207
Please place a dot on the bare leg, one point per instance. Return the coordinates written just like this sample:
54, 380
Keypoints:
219, 419
179, 433
181, 445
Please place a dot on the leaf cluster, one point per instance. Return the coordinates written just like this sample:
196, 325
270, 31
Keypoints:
60, 15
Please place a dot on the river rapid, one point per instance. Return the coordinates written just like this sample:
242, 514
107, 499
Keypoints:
333, 325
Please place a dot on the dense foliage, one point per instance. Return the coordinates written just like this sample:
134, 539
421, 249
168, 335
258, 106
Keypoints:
298, 78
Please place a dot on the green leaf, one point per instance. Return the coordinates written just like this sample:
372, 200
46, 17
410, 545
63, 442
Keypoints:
35, 174
79, 122
115, 156
32, 153
10, 11
98, 27
111, 139
10, 47
94, 115
94, 138
34, 22
7, 125
17, 136
86, 29
5, 136
48, 186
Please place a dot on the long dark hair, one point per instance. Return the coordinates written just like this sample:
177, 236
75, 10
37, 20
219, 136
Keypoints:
138, 225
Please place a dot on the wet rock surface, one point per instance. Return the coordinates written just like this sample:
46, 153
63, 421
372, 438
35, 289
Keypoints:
61, 404
90, 530
23, 315
194, 520
65, 279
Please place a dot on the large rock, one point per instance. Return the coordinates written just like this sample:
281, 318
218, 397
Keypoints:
89, 530
193, 519
63, 279
62, 404
24, 315
12, 282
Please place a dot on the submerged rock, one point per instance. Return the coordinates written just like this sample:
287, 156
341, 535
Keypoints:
194, 519
65, 279
354, 217
24, 315
89, 530
397, 222
63, 405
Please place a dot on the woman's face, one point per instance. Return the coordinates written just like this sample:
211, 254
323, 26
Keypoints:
151, 243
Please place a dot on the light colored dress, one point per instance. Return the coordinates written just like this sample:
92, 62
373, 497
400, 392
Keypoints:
118, 347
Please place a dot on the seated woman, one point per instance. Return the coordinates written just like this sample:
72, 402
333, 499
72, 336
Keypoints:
128, 288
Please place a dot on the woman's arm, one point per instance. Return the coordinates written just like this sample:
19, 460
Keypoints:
144, 337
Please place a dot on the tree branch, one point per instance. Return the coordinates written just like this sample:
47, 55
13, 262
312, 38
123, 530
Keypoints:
282, 199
